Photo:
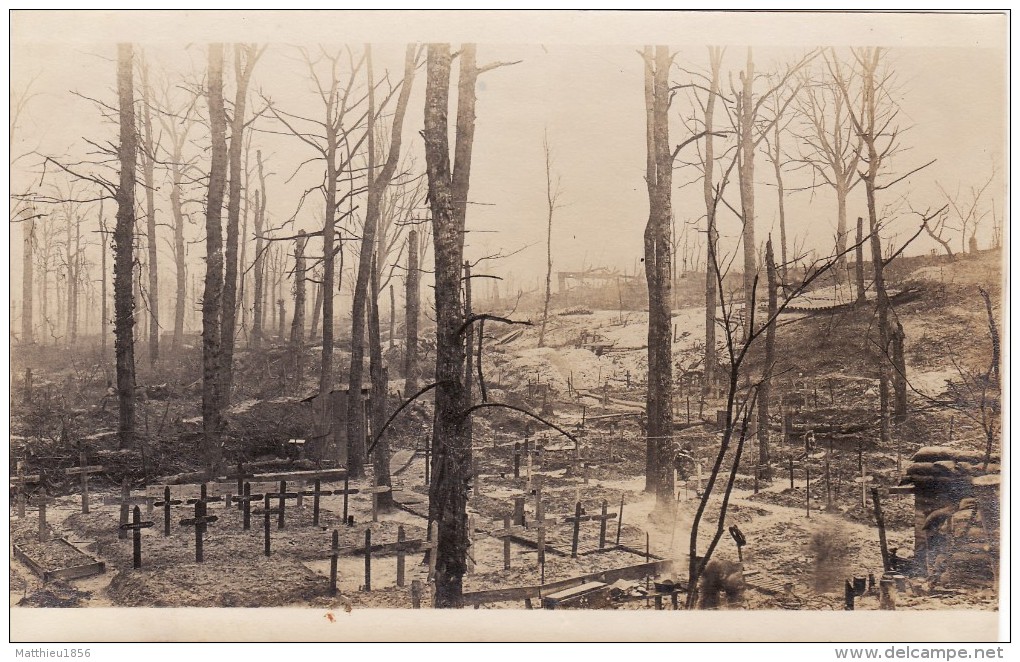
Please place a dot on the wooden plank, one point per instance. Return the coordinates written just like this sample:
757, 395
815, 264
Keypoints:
322, 474
608, 577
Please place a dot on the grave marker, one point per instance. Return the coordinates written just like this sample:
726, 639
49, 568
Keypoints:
619, 522
200, 521
19, 482
505, 533
283, 495
368, 560
240, 476
244, 503
268, 511
540, 524
346, 492
136, 526
83, 469
203, 496
603, 521
315, 494
41, 502
576, 521
166, 503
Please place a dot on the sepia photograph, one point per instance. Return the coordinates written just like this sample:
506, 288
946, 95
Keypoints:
418, 325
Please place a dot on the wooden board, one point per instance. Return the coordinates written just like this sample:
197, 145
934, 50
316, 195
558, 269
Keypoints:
91, 567
608, 577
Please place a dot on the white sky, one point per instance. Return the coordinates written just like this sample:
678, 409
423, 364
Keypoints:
580, 79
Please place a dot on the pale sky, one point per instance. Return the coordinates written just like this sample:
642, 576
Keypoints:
579, 80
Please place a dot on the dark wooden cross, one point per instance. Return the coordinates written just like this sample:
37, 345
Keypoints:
509, 530
315, 494
18, 483
136, 526
125, 501
244, 502
268, 511
346, 492
540, 524
283, 495
166, 503
240, 476
200, 521
603, 521
576, 521
517, 459
84, 469
203, 496
41, 501
402, 547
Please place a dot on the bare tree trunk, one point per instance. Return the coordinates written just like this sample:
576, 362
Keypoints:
841, 233
259, 304
105, 314
69, 285
76, 288
314, 331
781, 199
244, 62
448, 492
659, 477
297, 327
124, 248
28, 272
746, 172
550, 197
897, 339
212, 300
393, 317
859, 267
711, 301
148, 174
765, 389
381, 457
377, 184
411, 314
180, 256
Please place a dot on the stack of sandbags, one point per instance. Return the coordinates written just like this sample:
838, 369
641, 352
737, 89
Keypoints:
966, 550
940, 464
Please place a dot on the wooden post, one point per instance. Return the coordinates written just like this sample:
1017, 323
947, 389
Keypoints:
887, 594
519, 511
416, 591
368, 560
517, 459
791, 472
602, 524
619, 522
807, 487
167, 502
848, 596
268, 512
333, 557
577, 530
125, 494
506, 543
880, 522
400, 555
199, 522
347, 484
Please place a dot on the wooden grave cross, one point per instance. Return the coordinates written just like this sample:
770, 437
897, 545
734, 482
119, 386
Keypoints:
244, 502
316, 494
41, 501
375, 490
203, 496
506, 533
84, 469
18, 482
166, 503
125, 501
241, 477
540, 523
268, 511
346, 492
283, 495
136, 526
603, 520
576, 520
402, 547
200, 521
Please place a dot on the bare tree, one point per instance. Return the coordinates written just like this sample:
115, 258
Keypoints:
212, 300
829, 144
552, 194
659, 179
148, 157
969, 215
377, 184
123, 238
412, 301
245, 58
